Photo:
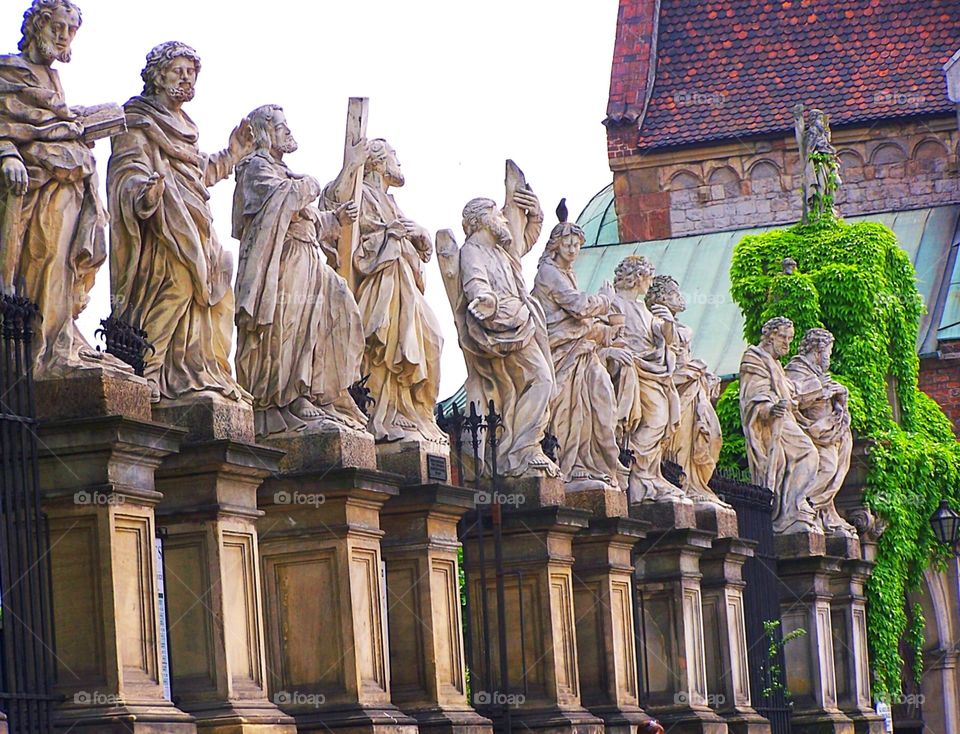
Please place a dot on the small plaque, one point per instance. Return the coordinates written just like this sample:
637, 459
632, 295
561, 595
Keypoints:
436, 468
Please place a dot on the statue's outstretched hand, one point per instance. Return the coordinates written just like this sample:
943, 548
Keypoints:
347, 213
526, 199
15, 175
241, 140
483, 306
355, 156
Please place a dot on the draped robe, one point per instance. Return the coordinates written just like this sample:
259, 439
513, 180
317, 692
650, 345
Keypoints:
169, 274
299, 333
61, 219
402, 334
583, 409
781, 455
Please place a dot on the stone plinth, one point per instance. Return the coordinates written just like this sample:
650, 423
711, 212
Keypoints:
599, 502
806, 573
530, 493
542, 664
324, 600
428, 674
603, 602
213, 586
418, 462
99, 494
667, 580
725, 637
848, 609
93, 392
721, 521
318, 451
208, 416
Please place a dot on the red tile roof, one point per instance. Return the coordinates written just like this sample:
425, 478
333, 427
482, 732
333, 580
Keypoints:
735, 68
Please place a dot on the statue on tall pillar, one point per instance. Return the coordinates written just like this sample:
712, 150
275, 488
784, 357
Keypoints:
697, 441
583, 411
648, 407
402, 334
501, 327
169, 274
781, 455
299, 333
52, 238
825, 418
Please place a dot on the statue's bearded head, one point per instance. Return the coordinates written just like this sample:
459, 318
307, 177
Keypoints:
270, 130
777, 335
665, 290
48, 30
382, 159
171, 70
483, 214
634, 273
817, 346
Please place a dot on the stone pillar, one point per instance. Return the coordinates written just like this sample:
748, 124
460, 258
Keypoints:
98, 452
603, 602
212, 572
725, 637
805, 573
848, 611
420, 545
324, 597
667, 577
542, 663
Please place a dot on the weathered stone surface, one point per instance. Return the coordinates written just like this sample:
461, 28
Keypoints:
599, 502
535, 491
417, 461
93, 392
667, 514
800, 545
208, 416
309, 451
722, 521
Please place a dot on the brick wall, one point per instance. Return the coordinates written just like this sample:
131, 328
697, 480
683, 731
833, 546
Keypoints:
940, 379
889, 167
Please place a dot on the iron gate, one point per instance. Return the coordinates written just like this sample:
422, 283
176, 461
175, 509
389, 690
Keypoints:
26, 654
754, 506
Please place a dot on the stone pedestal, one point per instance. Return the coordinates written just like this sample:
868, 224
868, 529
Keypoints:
418, 462
805, 573
848, 610
544, 681
667, 578
603, 602
97, 482
324, 597
725, 639
213, 586
428, 674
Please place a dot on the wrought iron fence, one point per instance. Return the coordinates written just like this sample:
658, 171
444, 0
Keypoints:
26, 649
754, 506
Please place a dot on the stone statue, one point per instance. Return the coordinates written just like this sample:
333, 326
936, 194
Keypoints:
826, 419
583, 410
502, 330
299, 333
169, 274
818, 157
697, 441
781, 455
403, 339
52, 238
648, 406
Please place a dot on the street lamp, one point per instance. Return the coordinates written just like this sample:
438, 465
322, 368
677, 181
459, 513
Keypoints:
946, 526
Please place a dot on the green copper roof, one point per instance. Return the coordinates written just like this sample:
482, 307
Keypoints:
701, 264
598, 220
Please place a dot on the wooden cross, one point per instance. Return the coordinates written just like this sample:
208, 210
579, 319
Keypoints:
357, 110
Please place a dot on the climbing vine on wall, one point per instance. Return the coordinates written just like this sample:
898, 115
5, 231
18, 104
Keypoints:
854, 280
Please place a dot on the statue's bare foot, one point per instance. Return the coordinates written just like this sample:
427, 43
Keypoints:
708, 497
154, 391
540, 463
305, 410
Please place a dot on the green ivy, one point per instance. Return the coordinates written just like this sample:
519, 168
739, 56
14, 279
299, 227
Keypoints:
854, 280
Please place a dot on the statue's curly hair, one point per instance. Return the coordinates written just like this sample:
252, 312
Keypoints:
630, 267
814, 340
159, 57
775, 324
38, 15
474, 212
659, 288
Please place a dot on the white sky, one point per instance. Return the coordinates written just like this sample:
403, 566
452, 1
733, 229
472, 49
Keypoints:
455, 86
